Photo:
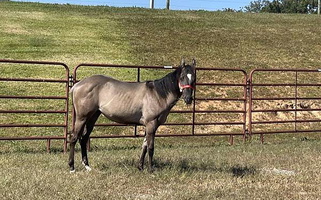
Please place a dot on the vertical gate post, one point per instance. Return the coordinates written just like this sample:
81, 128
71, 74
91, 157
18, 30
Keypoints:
249, 82
296, 101
194, 107
138, 80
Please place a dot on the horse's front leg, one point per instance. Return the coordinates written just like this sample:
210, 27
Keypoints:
148, 145
150, 148
142, 156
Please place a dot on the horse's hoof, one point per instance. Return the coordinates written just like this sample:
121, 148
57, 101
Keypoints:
141, 168
87, 168
72, 169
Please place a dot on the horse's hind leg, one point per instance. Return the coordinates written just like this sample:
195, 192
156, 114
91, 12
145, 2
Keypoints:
78, 129
84, 139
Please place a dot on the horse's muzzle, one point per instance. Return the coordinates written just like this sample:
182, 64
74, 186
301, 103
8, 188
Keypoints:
188, 101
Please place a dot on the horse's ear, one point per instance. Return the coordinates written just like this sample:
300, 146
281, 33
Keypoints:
194, 62
183, 62
150, 84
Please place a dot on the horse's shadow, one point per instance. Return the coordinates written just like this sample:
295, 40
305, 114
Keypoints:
185, 166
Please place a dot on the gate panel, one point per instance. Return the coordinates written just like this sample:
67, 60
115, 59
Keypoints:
284, 101
196, 120
221, 98
34, 101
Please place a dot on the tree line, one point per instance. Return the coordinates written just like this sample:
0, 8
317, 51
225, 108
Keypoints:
283, 6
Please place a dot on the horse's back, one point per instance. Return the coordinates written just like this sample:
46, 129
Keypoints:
91, 82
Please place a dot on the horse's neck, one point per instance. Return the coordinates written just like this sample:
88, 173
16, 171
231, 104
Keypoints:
168, 85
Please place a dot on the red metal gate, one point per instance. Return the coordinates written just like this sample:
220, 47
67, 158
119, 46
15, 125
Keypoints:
280, 101
22, 106
197, 120
291, 105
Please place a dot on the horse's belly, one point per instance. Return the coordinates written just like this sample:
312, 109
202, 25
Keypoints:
122, 108
123, 117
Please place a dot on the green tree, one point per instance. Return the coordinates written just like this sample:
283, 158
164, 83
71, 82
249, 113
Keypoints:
256, 6
283, 6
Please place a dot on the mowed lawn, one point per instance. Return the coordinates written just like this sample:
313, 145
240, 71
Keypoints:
285, 167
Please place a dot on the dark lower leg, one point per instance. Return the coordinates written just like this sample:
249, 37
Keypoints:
79, 127
142, 156
150, 158
150, 137
150, 147
71, 156
84, 140
83, 144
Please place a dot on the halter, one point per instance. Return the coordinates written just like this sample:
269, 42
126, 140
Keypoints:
181, 87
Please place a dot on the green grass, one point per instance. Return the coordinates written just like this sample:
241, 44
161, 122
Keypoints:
185, 168
74, 34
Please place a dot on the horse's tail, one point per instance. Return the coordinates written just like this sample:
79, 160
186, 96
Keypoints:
70, 133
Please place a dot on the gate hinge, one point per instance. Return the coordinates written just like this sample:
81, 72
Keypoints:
71, 81
248, 87
247, 134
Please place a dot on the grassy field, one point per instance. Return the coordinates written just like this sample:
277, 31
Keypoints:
185, 168
74, 34
285, 167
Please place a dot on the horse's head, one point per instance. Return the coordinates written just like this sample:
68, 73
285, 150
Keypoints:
187, 81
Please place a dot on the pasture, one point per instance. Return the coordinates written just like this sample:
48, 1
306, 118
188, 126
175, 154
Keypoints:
285, 167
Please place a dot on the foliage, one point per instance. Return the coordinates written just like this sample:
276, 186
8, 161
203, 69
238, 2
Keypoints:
283, 6
229, 10
256, 6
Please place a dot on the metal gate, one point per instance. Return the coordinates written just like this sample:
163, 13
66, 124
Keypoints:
226, 102
291, 105
198, 120
22, 107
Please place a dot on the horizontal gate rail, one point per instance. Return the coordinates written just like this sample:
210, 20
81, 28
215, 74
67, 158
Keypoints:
33, 111
287, 98
33, 80
283, 122
32, 97
64, 97
298, 82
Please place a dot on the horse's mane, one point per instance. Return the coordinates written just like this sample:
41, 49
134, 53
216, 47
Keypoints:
167, 84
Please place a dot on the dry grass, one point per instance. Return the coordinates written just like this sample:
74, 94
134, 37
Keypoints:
195, 169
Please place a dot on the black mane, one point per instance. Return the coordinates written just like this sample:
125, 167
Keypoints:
167, 84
